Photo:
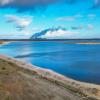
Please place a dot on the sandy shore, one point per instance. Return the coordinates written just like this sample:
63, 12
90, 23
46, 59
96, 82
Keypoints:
84, 43
3, 43
75, 90
89, 43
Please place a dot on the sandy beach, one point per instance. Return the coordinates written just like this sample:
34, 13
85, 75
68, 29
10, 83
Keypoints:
3, 43
28, 81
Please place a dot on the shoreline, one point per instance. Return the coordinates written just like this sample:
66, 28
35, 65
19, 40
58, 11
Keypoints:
89, 43
4, 43
83, 43
83, 88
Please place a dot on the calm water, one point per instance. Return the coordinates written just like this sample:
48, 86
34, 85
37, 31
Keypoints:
80, 62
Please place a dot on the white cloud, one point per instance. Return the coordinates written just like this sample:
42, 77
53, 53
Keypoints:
91, 16
20, 22
68, 18
78, 16
75, 17
90, 26
58, 34
4, 2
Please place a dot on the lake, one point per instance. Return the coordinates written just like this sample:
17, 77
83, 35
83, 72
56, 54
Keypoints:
77, 61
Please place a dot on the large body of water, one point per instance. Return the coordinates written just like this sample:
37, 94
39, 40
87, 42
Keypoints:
78, 61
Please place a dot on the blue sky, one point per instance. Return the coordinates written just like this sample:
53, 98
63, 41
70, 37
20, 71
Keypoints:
21, 19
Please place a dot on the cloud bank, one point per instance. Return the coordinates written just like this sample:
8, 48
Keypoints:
19, 22
23, 5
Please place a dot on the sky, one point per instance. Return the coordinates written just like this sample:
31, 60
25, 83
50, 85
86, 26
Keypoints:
23, 18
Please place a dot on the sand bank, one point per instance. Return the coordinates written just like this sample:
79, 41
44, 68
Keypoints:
90, 43
75, 90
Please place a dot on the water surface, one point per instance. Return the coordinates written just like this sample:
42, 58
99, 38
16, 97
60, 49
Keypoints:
78, 61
